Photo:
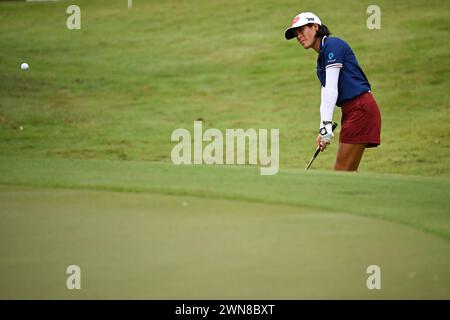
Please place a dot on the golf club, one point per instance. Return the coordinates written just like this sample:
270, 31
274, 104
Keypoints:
318, 150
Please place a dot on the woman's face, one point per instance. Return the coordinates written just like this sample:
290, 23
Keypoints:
306, 35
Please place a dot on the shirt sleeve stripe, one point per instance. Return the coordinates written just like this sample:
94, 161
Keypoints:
334, 65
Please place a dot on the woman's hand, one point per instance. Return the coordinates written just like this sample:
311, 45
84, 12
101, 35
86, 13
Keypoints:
321, 142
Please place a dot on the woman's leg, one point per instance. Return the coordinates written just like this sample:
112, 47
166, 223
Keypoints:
349, 156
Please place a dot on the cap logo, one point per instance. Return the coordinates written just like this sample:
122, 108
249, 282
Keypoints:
310, 19
295, 20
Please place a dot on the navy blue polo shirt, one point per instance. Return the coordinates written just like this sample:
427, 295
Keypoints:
352, 80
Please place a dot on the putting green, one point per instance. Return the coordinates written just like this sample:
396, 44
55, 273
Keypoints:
151, 246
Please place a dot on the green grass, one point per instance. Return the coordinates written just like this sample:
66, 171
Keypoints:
417, 201
118, 87
218, 232
149, 246
85, 167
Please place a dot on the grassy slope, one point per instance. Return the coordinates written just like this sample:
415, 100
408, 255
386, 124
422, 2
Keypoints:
415, 201
117, 88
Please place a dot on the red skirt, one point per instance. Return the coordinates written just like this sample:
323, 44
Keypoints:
361, 121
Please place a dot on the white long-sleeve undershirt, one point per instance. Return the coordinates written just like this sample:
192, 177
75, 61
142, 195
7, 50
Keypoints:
329, 94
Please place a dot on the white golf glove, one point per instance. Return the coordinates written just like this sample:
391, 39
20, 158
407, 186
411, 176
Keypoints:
326, 132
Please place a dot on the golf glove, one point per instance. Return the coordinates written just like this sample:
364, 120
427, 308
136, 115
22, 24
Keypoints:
326, 132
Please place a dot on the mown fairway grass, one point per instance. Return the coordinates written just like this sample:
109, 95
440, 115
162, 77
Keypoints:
150, 246
421, 202
275, 238
85, 146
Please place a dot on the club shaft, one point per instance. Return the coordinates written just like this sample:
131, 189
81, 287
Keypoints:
318, 150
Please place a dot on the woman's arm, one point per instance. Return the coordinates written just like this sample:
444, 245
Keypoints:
329, 95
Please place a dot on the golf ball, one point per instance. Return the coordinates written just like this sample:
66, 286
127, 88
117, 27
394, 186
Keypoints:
24, 66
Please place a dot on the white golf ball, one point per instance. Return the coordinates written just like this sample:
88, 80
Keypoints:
24, 66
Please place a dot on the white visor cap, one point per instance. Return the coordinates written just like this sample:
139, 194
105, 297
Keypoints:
301, 20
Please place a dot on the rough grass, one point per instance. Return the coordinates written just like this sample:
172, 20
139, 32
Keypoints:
118, 87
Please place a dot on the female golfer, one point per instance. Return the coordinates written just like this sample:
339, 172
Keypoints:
343, 84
